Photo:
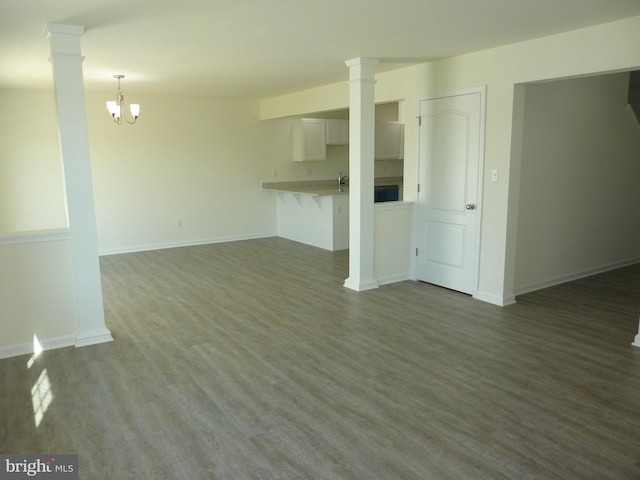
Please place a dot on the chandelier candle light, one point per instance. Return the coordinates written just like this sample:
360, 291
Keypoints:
115, 106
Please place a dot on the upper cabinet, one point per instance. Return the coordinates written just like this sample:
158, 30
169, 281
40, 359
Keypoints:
309, 139
337, 131
389, 142
312, 135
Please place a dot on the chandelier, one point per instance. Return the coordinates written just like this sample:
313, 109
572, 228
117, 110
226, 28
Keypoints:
115, 106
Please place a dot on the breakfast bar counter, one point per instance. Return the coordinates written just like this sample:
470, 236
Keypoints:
316, 212
313, 212
313, 188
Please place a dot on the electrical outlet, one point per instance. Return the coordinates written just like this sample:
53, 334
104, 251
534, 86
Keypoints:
307, 172
274, 173
179, 223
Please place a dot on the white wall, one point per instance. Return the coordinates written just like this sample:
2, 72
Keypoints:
580, 173
609, 47
37, 295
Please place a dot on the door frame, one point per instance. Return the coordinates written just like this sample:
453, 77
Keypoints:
482, 90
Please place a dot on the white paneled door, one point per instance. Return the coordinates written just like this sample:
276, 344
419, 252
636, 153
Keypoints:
451, 132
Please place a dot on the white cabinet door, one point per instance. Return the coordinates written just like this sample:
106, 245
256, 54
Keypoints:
389, 141
309, 140
337, 132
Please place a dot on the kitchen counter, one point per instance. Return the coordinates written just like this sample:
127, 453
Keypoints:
317, 212
321, 187
313, 188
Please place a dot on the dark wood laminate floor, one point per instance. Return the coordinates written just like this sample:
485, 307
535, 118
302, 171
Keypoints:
249, 360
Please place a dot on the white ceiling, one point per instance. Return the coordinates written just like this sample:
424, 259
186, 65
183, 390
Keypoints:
263, 48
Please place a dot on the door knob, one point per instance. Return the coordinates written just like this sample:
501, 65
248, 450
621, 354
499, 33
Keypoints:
470, 206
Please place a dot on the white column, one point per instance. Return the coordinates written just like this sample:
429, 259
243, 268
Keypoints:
361, 173
74, 152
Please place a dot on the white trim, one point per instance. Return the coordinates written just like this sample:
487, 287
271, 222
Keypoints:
413, 275
191, 243
482, 90
27, 348
495, 299
398, 277
93, 337
36, 236
482, 147
361, 286
575, 276
636, 339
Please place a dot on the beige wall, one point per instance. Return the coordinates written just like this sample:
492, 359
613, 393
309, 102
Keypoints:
605, 48
31, 185
37, 296
580, 173
198, 159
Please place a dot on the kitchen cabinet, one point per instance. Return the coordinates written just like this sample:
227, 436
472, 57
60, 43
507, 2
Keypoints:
337, 131
309, 139
389, 141
312, 135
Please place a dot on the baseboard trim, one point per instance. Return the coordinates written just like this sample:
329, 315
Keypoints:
575, 276
93, 337
83, 339
400, 277
495, 299
370, 284
29, 347
190, 243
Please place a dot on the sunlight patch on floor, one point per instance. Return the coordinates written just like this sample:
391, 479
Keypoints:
41, 395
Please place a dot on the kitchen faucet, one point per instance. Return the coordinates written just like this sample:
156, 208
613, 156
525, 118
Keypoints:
341, 178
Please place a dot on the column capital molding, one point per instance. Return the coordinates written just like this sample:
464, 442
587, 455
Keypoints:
362, 61
64, 39
362, 70
60, 28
